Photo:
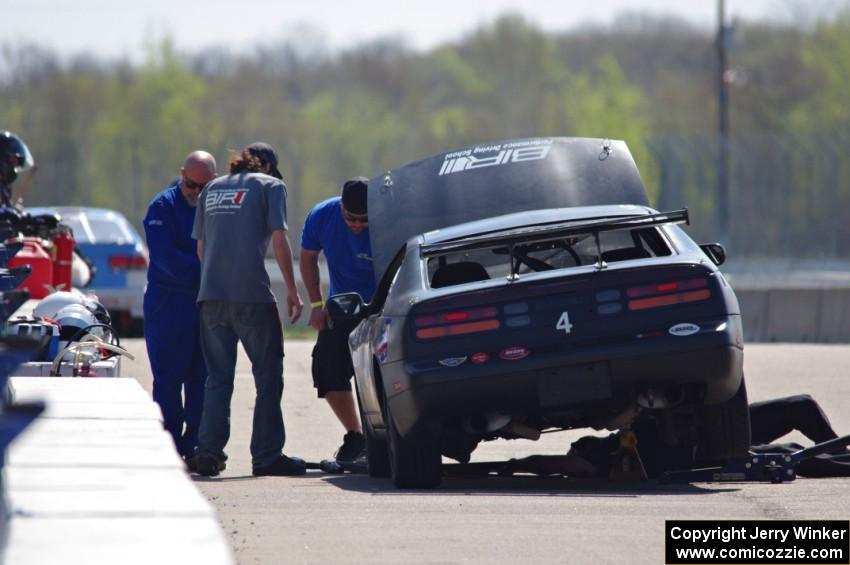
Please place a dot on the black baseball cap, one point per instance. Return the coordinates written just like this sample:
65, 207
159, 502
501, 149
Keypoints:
354, 194
267, 156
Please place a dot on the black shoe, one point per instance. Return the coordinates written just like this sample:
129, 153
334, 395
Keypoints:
205, 465
283, 466
353, 447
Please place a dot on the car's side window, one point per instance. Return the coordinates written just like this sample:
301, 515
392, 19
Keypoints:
655, 241
386, 283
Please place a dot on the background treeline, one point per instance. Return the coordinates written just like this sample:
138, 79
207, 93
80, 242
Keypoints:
113, 134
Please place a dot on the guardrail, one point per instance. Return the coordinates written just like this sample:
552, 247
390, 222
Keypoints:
815, 315
778, 304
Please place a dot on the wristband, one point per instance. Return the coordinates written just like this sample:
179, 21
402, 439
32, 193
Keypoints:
317, 304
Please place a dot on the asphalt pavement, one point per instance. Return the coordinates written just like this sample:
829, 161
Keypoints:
323, 518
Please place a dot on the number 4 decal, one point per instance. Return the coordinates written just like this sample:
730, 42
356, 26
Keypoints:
564, 323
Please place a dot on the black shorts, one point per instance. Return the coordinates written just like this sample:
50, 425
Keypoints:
332, 367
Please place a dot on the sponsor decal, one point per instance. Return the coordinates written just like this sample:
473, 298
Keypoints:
684, 329
479, 358
514, 353
452, 361
225, 199
381, 350
382, 345
482, 156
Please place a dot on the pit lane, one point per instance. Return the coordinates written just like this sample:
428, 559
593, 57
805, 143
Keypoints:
323, 518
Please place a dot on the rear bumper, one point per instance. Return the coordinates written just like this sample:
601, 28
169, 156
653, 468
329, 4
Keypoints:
553, 380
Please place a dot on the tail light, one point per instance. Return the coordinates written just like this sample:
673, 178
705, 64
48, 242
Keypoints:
457, 323
667, 293
127, 262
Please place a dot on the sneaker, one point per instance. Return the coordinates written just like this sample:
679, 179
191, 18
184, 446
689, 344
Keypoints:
353, 447
205, 465
283, 466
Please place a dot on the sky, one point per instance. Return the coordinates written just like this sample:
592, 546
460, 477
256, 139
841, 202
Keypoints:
121, 28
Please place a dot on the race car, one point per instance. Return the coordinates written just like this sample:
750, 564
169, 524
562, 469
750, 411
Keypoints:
119, 257
526, 286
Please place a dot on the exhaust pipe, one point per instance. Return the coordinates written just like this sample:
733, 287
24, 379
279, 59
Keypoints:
521, 431
483, 423
653, 398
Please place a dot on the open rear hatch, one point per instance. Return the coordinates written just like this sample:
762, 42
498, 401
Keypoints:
491, 179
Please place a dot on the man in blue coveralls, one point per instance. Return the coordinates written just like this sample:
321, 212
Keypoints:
172, 331
338, 226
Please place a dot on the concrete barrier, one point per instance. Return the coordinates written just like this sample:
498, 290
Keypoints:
815, 315
777, 305
96, 480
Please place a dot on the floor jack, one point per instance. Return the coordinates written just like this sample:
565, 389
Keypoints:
334, 467
767, 467
626, 465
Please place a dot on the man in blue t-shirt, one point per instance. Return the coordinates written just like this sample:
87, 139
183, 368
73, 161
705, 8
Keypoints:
171, 313
339, 227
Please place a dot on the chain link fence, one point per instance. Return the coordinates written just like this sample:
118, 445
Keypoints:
789, 195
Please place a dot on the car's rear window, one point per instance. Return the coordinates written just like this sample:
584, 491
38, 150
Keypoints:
100, 228
81, 235
453, 268
110, 230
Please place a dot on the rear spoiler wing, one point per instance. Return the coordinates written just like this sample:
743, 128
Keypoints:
537, 232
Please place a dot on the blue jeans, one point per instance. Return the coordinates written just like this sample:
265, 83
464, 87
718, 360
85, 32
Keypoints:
257, 326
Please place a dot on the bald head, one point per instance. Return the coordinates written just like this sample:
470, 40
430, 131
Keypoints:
200, 160
198, 170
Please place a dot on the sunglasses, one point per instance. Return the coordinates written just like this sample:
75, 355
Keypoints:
192, 185
351, 218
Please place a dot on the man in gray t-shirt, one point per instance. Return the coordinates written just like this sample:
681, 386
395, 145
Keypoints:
237, 216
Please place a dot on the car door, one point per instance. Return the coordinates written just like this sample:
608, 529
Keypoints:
368, 343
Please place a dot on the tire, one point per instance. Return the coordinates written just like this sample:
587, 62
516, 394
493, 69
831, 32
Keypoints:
724, 429
377, 454
415, 461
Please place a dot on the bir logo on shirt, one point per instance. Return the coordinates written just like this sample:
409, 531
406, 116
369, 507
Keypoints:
225, 200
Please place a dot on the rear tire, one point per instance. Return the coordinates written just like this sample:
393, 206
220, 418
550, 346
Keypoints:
377, 454
724, 429
415, 461
378, 457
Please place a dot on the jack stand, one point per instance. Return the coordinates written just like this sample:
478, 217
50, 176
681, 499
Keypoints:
761, 467
627, 466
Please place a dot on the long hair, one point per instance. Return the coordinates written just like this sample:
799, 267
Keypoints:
243, 162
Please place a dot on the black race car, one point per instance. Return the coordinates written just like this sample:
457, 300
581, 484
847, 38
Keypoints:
526, 285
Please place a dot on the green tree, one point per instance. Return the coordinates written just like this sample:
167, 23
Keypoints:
826, 54
603, 104
151, 119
